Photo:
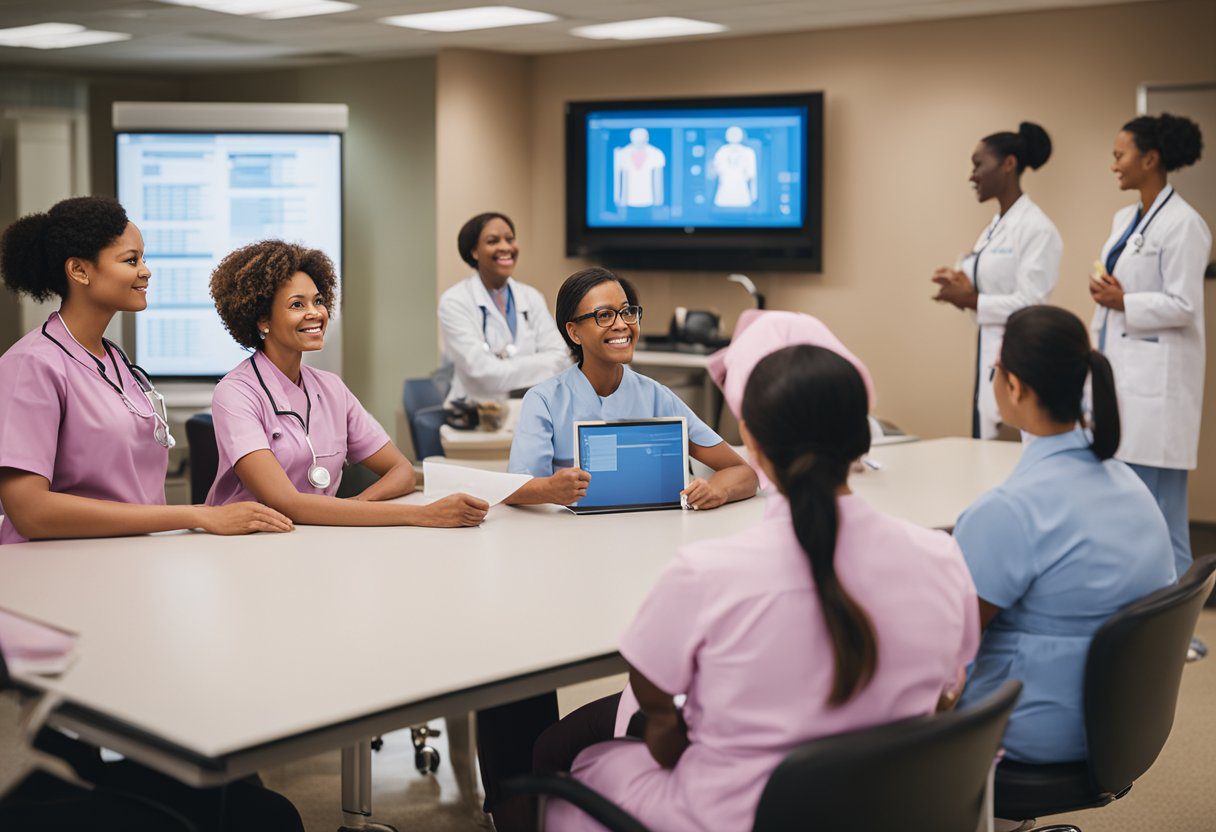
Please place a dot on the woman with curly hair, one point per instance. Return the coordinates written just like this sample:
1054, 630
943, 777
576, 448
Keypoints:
285, 430
83, 444
1148, 287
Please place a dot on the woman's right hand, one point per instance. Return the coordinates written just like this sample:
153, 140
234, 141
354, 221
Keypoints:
569, 485
243, 518
455, 510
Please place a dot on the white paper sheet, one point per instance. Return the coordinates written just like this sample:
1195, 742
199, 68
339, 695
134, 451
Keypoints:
441, 479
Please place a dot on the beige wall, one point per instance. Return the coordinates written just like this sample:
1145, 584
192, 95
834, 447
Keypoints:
905, 104
389, 297
483, 130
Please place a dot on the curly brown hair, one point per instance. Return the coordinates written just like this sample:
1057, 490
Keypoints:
244, 283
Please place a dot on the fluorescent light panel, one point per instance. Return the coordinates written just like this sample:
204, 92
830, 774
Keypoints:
464, 20
649, 27
268, 9
56, 36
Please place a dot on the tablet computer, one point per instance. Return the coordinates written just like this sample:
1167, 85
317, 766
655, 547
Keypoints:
635, 465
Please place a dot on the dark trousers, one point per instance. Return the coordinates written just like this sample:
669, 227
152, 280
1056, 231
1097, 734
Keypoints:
131, 797
524, 737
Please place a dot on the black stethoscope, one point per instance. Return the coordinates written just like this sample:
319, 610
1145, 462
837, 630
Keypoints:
317, 475
161, 433
1137, 240
975, 266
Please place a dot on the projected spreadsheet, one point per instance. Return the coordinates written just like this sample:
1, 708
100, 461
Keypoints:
195, 198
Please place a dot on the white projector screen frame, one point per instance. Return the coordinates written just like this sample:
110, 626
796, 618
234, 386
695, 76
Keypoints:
135, 117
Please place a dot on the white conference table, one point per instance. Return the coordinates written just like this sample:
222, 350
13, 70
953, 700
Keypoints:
209, 659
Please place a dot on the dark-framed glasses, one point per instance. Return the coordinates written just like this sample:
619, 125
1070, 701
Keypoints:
605, 318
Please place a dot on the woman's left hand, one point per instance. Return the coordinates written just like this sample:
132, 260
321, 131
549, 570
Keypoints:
954, 287
1107, 291
701, 495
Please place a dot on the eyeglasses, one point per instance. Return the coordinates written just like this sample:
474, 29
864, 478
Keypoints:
605, 318
992, 371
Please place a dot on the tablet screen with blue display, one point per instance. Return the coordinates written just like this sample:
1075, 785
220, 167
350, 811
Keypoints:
738, 167
638, 464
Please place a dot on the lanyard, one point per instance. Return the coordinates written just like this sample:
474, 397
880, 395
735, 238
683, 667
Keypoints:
975, 271
1136, 239
306, 420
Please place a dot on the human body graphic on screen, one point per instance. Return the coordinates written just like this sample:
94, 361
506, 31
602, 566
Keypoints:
637, 170
734, 166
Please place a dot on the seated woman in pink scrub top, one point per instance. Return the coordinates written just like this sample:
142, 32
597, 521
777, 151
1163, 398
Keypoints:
84, 443
828, 617
285, 430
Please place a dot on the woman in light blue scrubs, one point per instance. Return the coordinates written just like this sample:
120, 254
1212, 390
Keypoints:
599, 316
1069, 539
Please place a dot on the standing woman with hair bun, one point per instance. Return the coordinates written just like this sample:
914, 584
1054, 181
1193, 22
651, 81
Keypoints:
1069, 539
1148, 285
1015, 262
84, 436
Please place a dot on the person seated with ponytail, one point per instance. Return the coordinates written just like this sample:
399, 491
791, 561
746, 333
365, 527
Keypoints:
829, 616
1070, 538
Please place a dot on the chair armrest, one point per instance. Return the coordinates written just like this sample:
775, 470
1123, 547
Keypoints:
564, 787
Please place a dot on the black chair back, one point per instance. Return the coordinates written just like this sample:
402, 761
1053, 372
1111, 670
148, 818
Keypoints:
204, 455
1132, 676
422, 400
926, 774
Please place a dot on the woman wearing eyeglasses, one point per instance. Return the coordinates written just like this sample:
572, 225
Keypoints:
84, 439
599, 316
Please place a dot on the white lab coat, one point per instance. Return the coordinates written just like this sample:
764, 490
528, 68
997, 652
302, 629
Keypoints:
1019, 263
1156, 346
480, 374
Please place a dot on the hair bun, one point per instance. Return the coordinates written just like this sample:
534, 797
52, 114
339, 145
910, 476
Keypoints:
23, 256
1037, 144
1179, 140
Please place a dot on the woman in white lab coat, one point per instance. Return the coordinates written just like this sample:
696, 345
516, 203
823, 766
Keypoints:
1015, 262
1148, 287
497, 332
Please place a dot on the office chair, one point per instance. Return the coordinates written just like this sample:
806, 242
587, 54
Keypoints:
925, 774
1132, 675
422, 399
204, 455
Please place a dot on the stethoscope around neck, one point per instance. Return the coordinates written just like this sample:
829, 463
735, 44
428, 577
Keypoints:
509, 350
317, 475
161, 433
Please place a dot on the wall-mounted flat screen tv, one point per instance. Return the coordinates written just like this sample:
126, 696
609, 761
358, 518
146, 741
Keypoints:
699, 183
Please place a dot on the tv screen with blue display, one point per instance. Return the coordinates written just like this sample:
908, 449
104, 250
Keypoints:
730, 168
696, 183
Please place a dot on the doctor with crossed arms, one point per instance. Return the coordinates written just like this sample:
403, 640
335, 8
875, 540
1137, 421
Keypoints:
497, 332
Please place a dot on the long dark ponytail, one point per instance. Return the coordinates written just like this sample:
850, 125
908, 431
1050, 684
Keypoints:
1048, 349
806, 408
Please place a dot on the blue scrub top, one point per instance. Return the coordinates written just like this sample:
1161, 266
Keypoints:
544, 437
1060, 546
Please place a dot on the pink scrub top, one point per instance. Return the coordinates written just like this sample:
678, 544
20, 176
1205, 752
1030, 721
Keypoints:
61, 420
245, 421
735, 624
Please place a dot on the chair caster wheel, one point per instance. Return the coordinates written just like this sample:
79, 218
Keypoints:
426, 760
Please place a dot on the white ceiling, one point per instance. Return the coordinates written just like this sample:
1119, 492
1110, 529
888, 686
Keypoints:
177, 38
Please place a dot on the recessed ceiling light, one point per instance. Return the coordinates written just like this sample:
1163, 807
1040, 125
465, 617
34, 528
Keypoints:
463, 20
269, 9
56, 36
650, 27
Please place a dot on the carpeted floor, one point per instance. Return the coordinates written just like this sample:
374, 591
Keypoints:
1176, 795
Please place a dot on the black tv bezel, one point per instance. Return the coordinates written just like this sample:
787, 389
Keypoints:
777, 249
129, 332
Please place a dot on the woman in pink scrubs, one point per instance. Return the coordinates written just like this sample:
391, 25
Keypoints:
285, 430
828, 617
83, 438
